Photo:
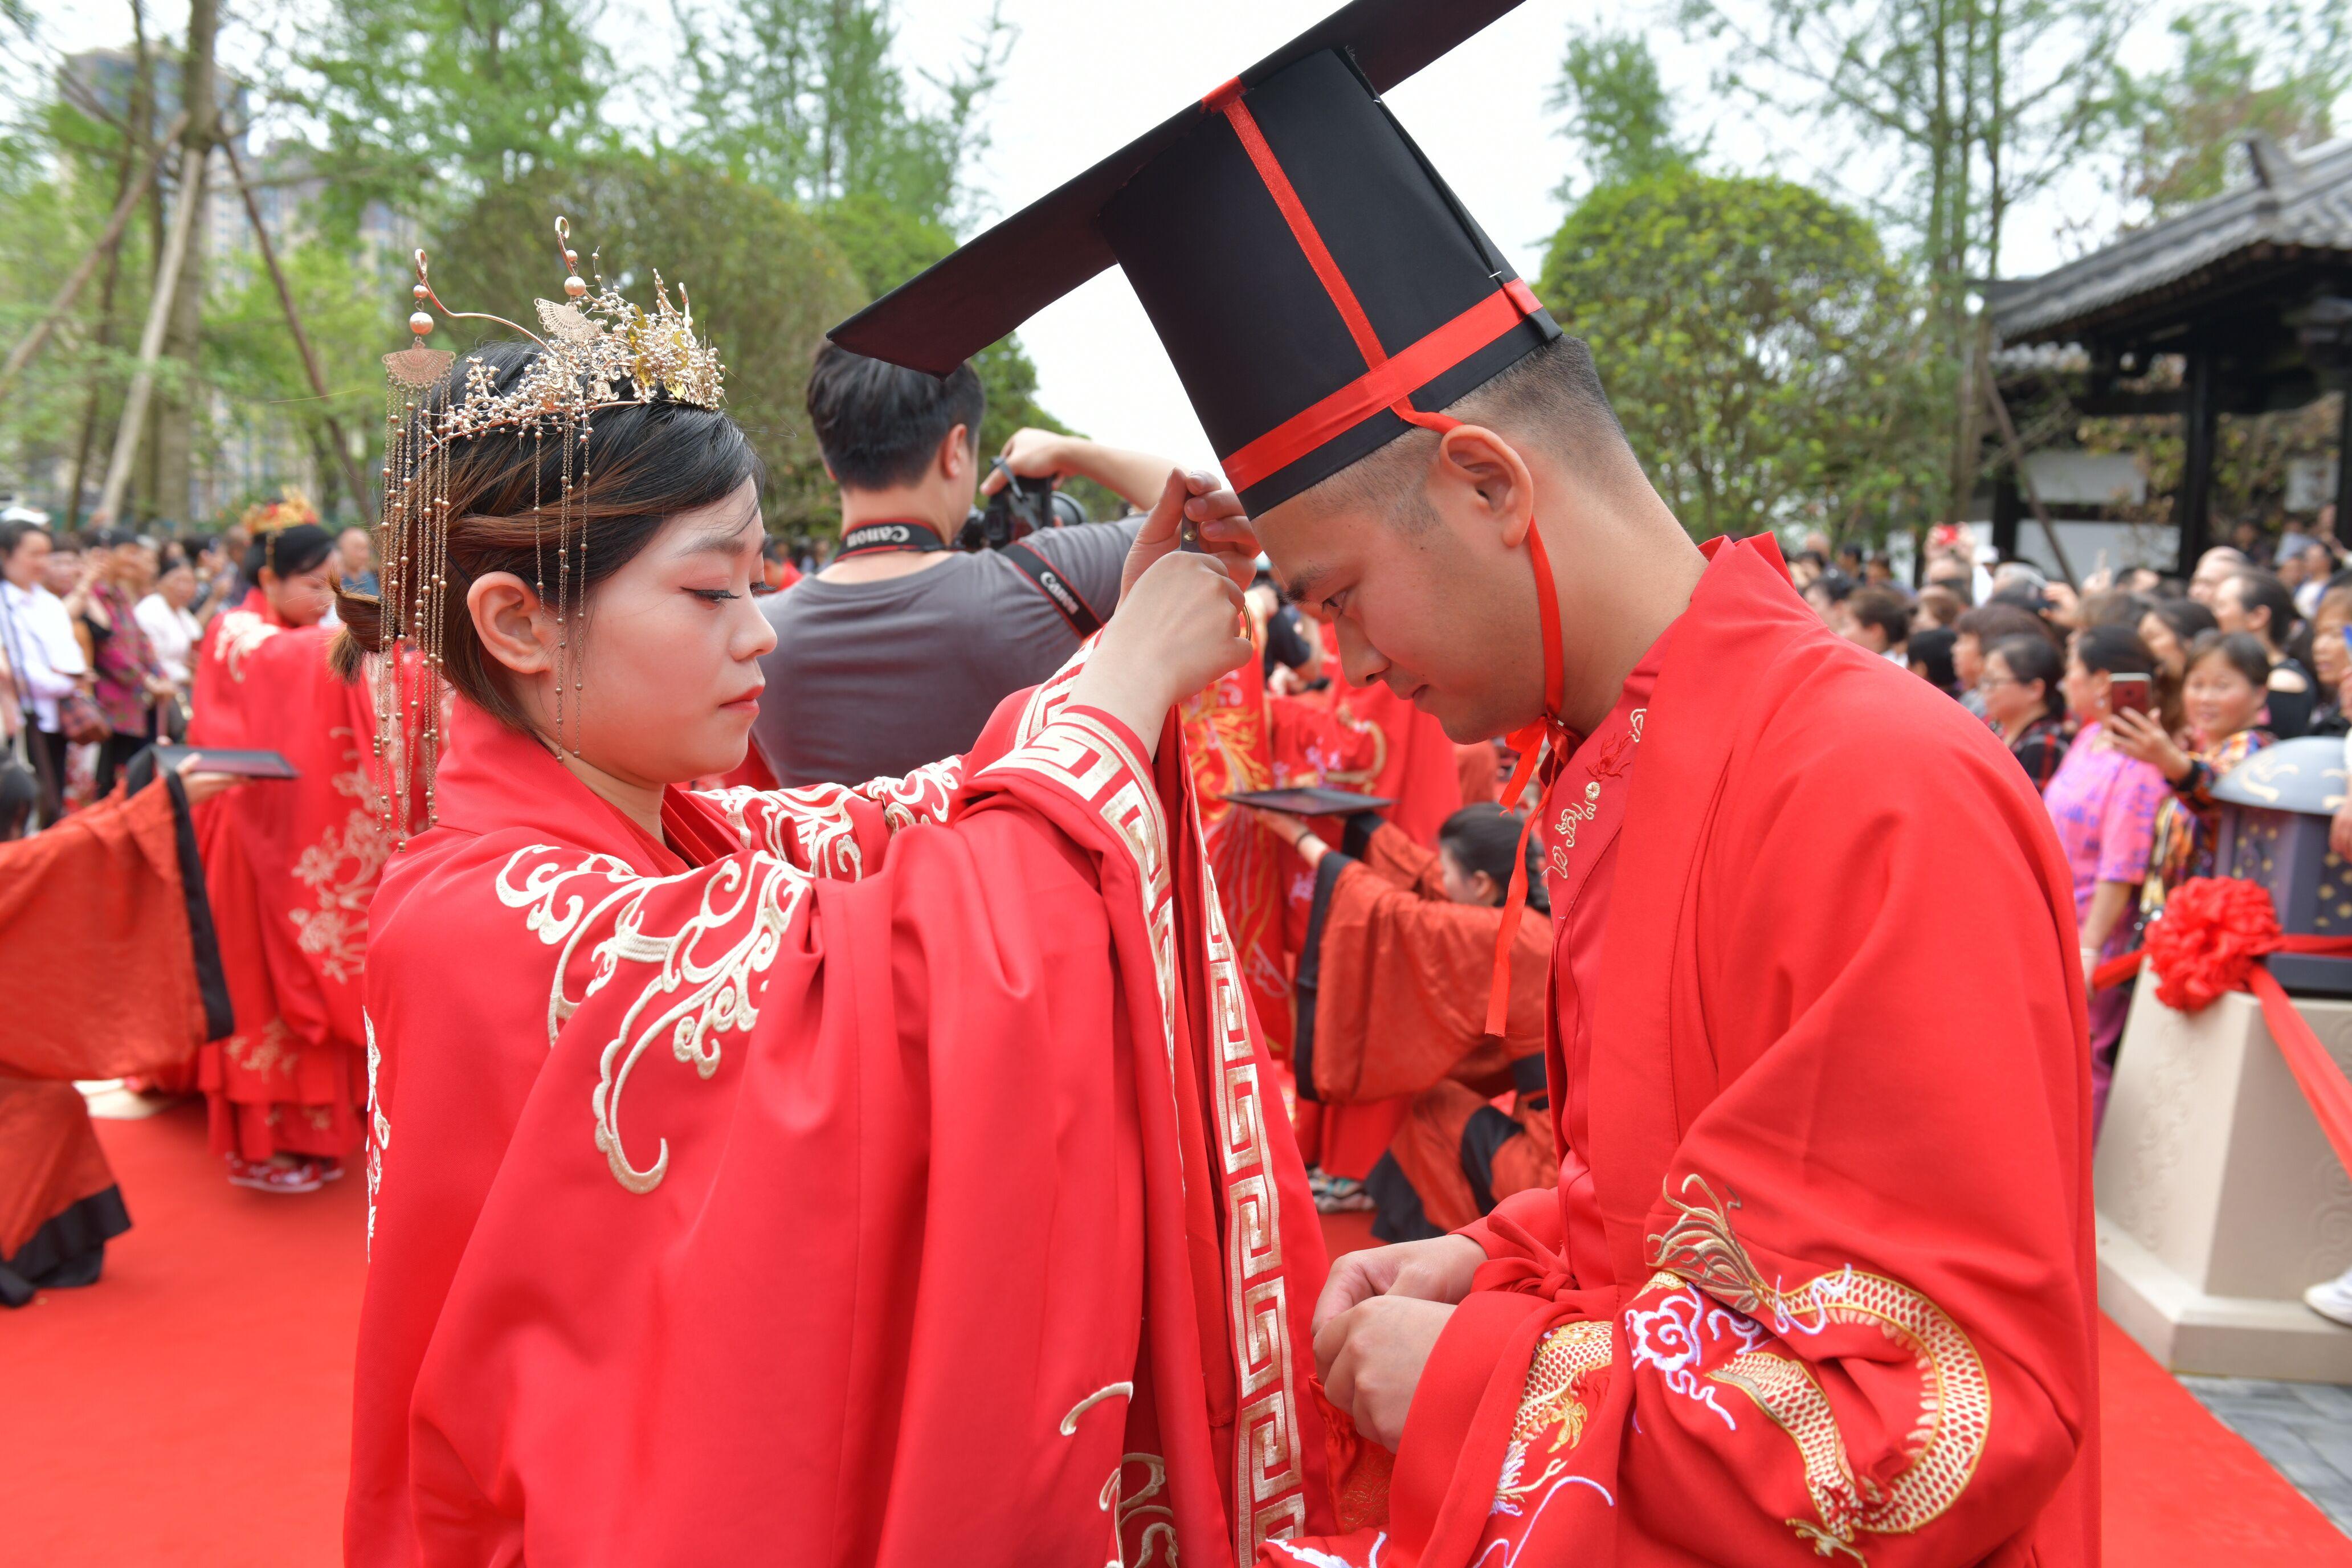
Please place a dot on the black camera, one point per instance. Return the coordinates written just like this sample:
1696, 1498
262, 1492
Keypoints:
1016, 511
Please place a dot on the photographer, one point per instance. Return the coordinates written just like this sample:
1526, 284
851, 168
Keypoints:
895, 654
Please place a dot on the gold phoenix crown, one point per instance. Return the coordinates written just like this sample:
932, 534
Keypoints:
600, 351
595, 341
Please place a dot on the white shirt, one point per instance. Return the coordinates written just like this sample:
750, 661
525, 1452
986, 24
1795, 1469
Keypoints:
41, 648
171, 632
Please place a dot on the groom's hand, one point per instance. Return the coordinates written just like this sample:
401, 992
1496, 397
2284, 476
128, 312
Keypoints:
1224, 528
1371, 1357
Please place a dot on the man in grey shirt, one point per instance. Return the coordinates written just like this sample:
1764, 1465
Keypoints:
896, 654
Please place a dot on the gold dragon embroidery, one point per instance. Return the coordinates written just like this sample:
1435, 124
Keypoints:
1956, 1398
1553, 1401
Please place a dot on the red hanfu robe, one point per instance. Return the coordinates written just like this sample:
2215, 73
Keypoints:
106, 969
1818, 1278
881, 1175
1393, 1008
290, 867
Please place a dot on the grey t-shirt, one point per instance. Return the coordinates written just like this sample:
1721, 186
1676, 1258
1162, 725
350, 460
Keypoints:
875, 679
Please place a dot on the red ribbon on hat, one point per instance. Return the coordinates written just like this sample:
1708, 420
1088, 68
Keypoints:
2210, 941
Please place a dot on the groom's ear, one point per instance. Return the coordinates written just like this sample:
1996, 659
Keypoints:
1480, 467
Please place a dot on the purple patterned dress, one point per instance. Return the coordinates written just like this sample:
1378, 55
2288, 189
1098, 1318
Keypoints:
2103, 805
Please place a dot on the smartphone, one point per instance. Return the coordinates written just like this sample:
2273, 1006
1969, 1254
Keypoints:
2127, 692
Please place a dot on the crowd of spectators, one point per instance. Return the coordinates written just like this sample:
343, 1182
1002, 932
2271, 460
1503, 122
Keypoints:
2124, 705
99, 633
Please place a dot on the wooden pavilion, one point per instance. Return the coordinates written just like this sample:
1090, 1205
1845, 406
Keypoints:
2252, 289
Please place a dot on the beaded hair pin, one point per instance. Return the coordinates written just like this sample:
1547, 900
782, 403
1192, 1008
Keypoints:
599, 351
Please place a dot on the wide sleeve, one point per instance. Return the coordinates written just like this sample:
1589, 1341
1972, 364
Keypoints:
838, 830
1399, 980
106, 952
1863, 1328
820, 1224
1311, 745
1393, 853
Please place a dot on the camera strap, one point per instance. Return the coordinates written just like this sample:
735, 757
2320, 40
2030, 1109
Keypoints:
1056, 587
877, 538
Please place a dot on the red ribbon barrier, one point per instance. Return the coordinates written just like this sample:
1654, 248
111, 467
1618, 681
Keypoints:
2211, 940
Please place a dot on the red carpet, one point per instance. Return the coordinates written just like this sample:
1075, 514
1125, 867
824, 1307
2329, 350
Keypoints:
2182, 1488
193, 1409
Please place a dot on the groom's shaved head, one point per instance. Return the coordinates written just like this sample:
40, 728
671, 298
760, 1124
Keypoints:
1551, 399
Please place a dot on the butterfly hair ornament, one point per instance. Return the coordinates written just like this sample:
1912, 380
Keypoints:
595, 351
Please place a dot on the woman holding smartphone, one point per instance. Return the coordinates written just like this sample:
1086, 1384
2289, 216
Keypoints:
2102, 801
2228, 673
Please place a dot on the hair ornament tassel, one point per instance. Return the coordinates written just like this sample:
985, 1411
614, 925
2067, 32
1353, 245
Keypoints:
598, 351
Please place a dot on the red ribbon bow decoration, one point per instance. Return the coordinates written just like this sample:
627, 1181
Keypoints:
2211, 940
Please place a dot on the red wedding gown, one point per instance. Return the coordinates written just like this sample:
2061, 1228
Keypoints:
1818, 1278
290, 866
880, 1175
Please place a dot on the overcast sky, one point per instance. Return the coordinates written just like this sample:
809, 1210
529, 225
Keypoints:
1087, 76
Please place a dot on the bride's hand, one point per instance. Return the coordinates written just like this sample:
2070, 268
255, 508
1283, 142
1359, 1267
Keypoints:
1225, 532
1178, 628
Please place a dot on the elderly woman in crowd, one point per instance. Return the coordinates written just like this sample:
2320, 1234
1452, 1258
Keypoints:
125, 678
2023, 703
172, 629
2103, 802
2331, 659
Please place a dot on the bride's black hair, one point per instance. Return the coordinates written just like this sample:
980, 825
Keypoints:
288, 551
647, 463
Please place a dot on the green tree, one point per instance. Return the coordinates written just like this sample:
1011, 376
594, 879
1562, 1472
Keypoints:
1619, 113
764, 279
2280, 71
885, 245
250, 361
1976, 105
1759, 347
426, 103
804, 96
58, 180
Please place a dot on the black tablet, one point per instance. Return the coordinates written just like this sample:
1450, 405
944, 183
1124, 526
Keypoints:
1308, 802
220, 760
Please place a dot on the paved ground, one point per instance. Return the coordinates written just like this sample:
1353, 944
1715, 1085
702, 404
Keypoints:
2305, 1429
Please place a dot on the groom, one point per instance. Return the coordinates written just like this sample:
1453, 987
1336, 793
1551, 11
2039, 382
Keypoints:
1817, 1279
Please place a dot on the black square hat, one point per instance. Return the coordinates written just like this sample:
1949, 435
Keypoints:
1318, 286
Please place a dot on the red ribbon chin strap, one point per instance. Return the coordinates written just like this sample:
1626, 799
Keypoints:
1532, 741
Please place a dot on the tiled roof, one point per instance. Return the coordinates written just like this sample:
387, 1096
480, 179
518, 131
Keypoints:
2300, 202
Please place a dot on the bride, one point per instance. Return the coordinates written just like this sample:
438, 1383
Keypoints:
824, 1176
